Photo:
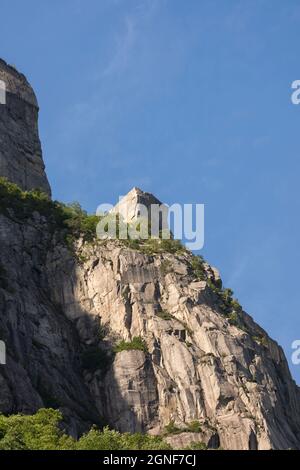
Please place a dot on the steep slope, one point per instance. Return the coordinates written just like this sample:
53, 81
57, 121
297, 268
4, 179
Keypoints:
62, 314
200, 364
20, 148
139, 335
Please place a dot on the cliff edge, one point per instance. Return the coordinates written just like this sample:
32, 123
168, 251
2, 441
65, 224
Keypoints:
20, 148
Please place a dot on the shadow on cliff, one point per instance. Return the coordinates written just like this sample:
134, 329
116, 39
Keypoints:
121, 387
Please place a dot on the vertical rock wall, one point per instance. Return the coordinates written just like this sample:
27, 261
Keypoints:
20, 149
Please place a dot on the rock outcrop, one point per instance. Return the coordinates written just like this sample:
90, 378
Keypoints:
20, 149
200, 371
138, 205
233, 379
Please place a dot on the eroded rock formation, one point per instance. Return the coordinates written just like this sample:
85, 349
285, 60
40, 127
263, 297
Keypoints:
62, 312
20, 148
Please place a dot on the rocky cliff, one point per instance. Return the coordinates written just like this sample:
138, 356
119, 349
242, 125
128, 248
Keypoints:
141, 336
20, 149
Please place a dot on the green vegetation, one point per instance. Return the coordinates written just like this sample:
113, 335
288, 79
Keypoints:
36, 432
133, 244
42, 432
170, 246
197, 266
164, 315
194, 426
171, 428
102, 332
153, 246
78, 222
166, 267
113, 440
262, 340
142, 240
197, 446
71, 220
233, 318
229, 306
137, 343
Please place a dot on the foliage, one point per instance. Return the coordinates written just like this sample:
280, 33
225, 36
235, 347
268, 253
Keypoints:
137, 343
235, 305
262, 340
228, 305
79, 222
36, 432
171, 246
113, 440
166, 267
72, 222
171, 428
233, 318
133, 244
198, 268
164, 315
153, 246
197, 446
194, 426
71, 219
102, 331
42, 432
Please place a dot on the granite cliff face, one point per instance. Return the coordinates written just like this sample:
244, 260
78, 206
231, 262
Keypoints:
130, 208
63, 311
20, 149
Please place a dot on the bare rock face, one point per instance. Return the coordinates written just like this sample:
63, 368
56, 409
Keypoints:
212, 377
196, 366
137, 205
20, 149
43, 348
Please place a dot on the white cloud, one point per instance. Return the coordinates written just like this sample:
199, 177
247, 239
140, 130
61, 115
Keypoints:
126, 39
124, 44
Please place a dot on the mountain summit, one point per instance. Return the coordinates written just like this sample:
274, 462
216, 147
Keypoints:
20, 148
138, 204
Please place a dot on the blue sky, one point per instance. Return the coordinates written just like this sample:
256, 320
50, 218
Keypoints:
189, 100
